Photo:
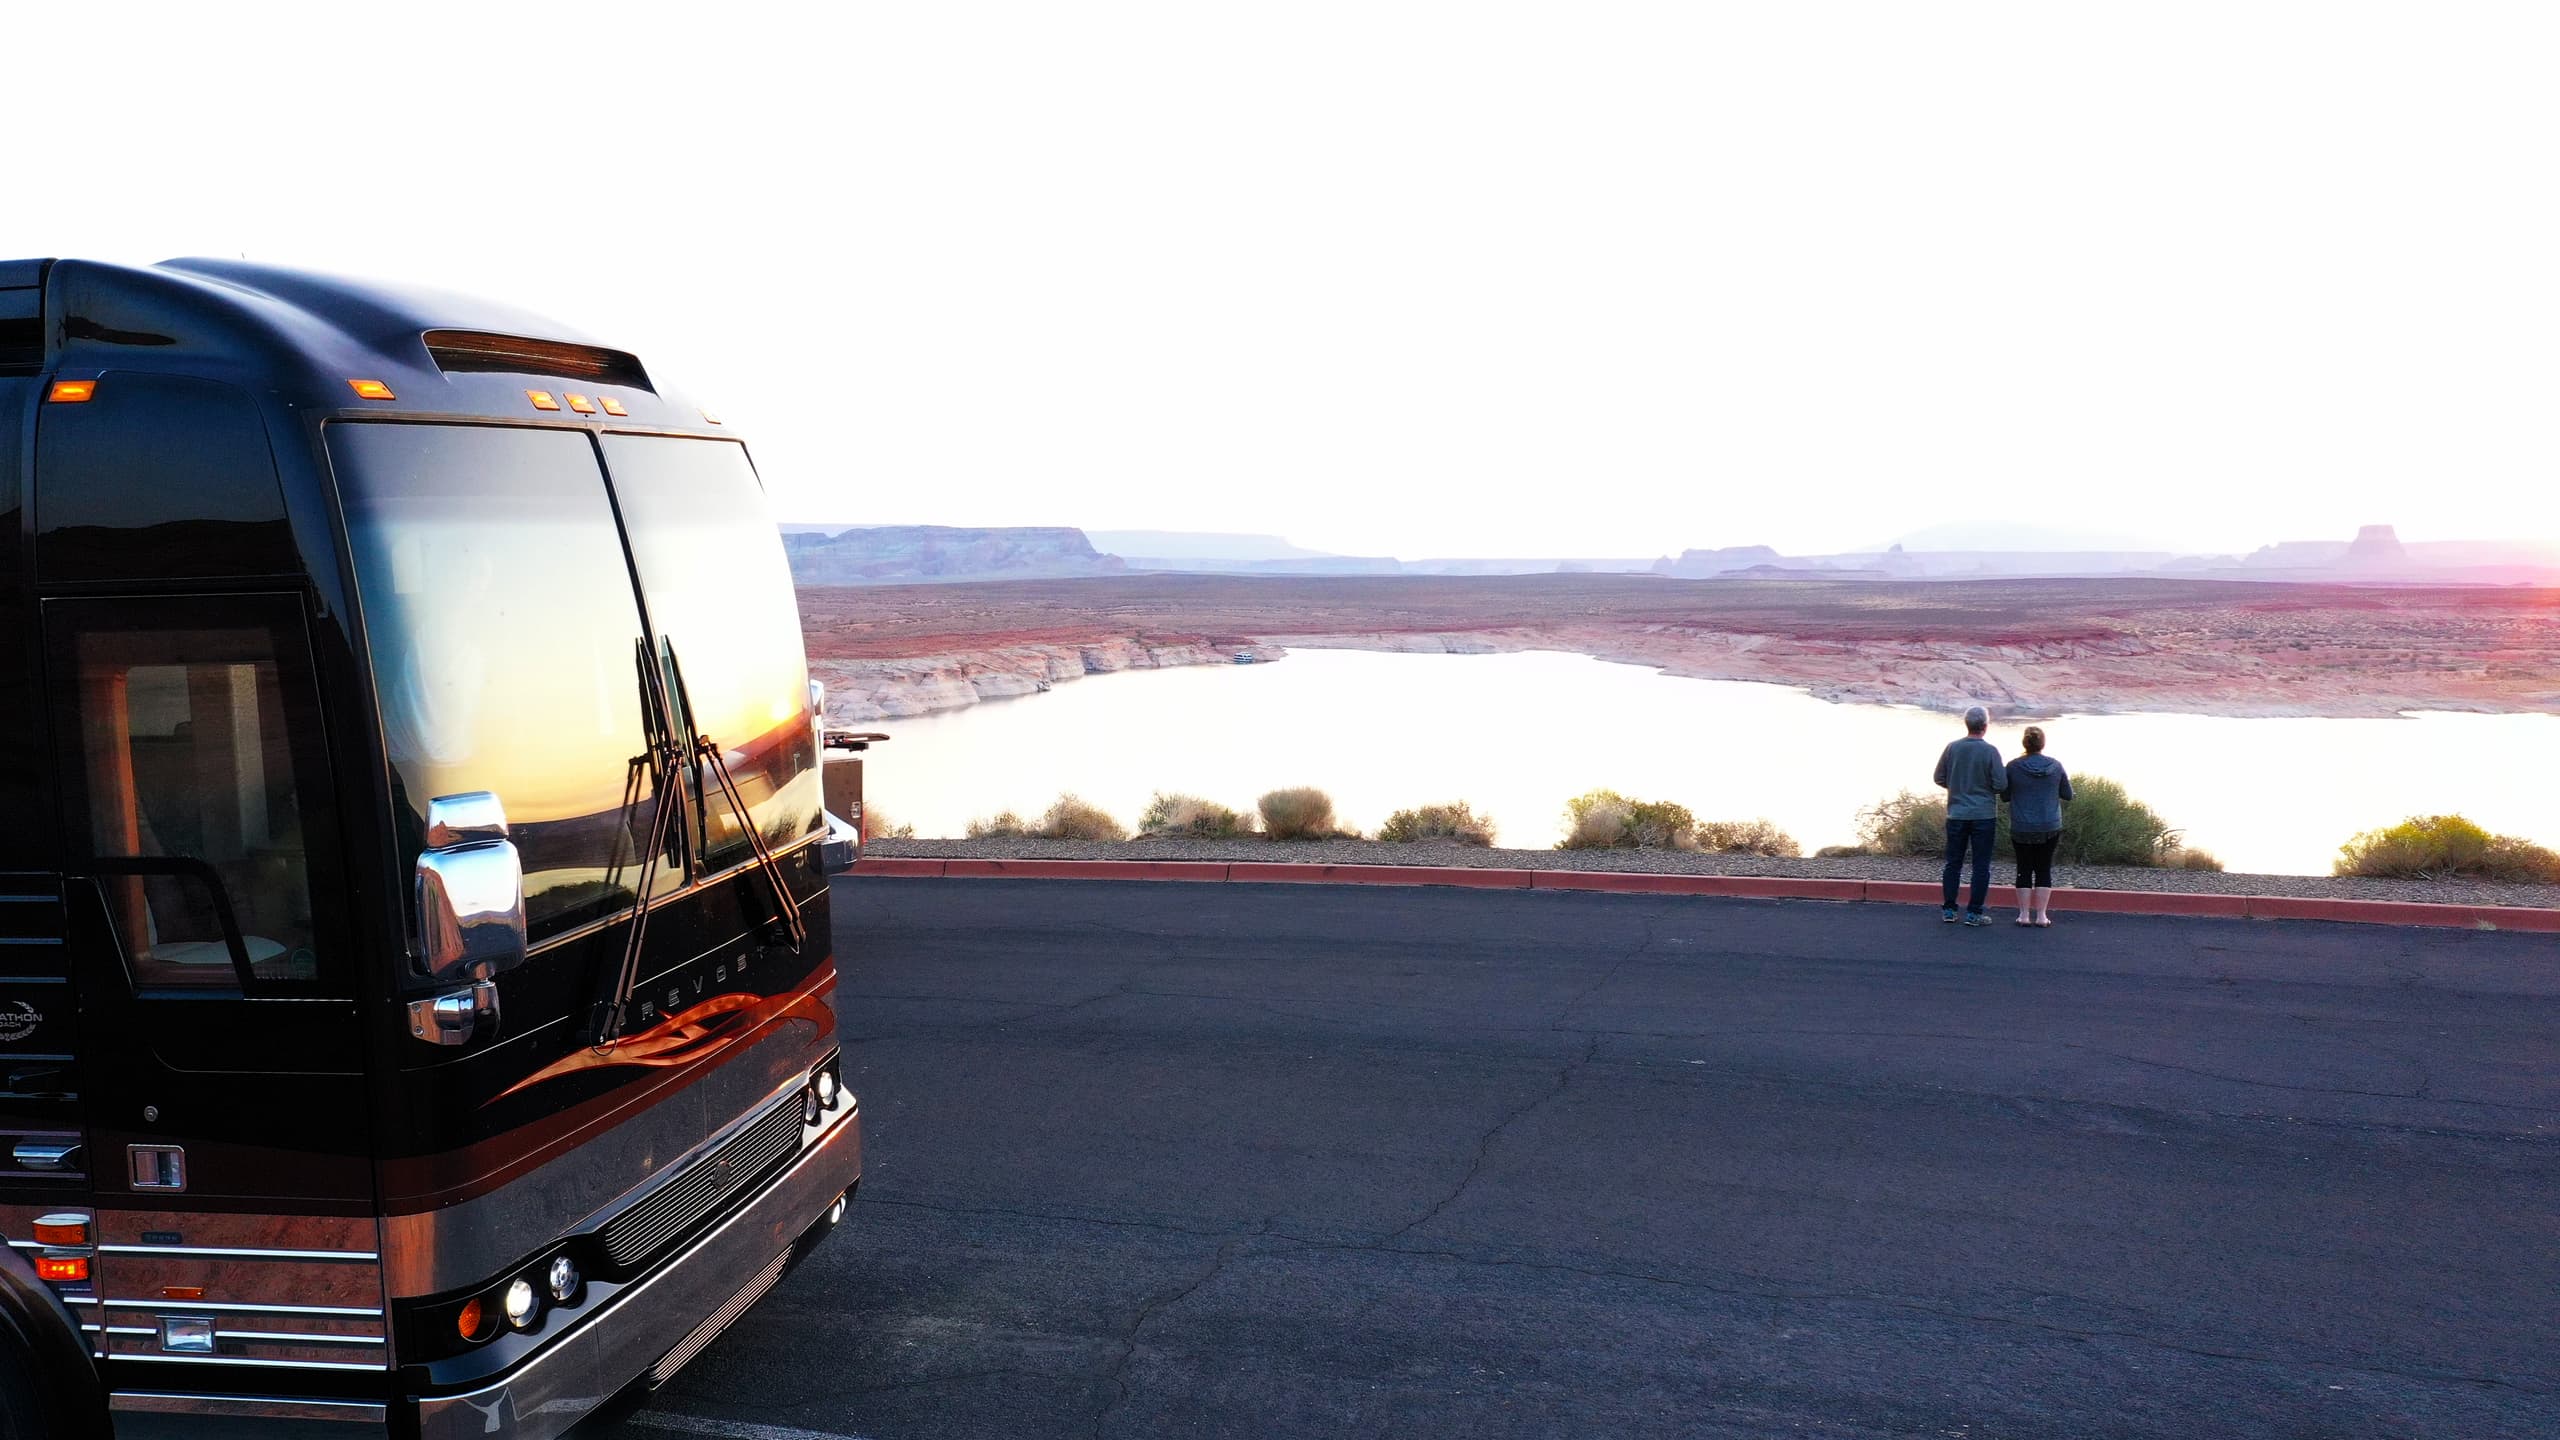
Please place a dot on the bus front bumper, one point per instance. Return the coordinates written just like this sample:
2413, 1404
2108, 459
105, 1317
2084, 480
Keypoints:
658, 1324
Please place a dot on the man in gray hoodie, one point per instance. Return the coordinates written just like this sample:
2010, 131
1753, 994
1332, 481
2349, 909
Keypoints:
1969, 770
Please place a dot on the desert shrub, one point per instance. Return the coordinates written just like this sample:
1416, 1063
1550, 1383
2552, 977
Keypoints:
876, 825
2444, 847
1841, 852
1747, 837
1597, 821
1454, 821
1301, 812
1069, 818
1903, 824
1192, 818
2101, 825
1003, 825
1607, 820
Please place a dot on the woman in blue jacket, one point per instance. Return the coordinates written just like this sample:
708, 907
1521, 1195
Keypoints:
2037, 788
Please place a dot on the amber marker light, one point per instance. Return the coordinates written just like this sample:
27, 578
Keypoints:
62, 1269
710, 419
181, 1292
371, 390
611, 405
542, 400
468, 1323
72, 392
63, 1230
582, 404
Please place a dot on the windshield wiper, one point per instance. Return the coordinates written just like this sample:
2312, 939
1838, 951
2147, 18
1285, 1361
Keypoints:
657, 765
666, 755
786, 910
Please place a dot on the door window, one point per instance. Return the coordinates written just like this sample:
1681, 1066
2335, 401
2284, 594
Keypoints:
196, 741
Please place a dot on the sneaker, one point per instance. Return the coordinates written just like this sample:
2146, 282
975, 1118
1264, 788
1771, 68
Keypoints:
1977, 918
1946, 917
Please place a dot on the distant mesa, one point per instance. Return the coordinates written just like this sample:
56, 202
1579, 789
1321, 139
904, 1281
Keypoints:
1706, 564
1171, 549
2376, 547
909, 554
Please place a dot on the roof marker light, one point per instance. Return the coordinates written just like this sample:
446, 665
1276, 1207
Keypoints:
72, 392
371, 390
582, 404
611, 405
710, 419
542, 400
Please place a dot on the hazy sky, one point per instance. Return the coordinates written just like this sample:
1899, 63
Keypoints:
1433, 279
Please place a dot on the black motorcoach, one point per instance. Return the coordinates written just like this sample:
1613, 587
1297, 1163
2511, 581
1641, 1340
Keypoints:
416, 1002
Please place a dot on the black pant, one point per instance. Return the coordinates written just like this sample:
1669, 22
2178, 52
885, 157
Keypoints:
1974, 835
2035, 862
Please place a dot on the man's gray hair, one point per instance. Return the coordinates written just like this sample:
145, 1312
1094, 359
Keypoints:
1977, 719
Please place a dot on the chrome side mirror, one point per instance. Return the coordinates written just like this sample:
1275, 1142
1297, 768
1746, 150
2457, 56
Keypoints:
470, 896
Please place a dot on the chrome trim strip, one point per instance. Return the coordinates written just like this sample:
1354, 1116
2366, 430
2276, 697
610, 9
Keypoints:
374, 1314
295, 1337
242, 1360
239, 1253
174, 1402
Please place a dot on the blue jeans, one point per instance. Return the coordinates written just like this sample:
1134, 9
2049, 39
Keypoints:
1975, 835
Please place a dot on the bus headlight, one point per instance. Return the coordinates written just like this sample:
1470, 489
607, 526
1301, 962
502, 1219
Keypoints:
827, 1088
521, 1304
562, 1278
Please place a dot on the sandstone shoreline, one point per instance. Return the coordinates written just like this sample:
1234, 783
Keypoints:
866, 691
2026, 648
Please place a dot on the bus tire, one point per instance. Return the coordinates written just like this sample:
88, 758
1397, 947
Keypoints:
48, 1384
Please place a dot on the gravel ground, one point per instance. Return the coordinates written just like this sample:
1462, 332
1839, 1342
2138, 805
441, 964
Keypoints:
1368, 852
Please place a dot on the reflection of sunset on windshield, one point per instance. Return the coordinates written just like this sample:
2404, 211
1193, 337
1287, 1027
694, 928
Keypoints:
486, 650
719, 590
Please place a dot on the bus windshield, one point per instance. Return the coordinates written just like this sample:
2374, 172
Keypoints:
499, 612
502, 622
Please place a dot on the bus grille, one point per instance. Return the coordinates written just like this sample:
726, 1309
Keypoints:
706, 1185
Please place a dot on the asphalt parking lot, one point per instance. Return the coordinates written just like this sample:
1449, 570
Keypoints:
1231, 1160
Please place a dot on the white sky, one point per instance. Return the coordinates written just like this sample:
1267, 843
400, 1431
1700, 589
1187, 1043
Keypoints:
1432, 279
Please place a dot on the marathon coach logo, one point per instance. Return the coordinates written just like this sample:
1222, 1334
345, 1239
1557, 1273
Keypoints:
18, 1020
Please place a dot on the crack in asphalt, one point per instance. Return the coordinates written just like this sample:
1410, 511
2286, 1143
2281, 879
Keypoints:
1484, 1142
1115, 1375
1596, 986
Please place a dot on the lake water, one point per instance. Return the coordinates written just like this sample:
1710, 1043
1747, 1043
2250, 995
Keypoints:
1517, 735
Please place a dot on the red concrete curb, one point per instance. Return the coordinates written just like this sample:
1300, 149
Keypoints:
1084, 869
900, 865
1780, 887
2154, 902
